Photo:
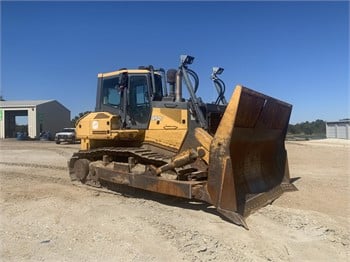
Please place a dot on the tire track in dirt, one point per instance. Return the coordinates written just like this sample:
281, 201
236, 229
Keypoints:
62, 152
32, 165
31, 174
193, 244
38, 178
306, 223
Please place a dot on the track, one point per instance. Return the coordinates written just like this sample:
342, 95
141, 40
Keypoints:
143, 155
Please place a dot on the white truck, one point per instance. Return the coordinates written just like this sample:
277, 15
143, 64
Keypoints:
66, 135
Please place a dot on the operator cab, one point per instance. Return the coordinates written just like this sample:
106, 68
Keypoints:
129, 93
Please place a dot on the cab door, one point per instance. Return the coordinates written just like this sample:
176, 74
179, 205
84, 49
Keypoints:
139, 106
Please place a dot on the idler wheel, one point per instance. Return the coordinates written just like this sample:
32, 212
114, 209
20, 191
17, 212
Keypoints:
81, 169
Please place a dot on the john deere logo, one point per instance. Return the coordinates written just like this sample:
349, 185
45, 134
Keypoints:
94, 124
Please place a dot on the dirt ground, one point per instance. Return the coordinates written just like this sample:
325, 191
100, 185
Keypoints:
46, 218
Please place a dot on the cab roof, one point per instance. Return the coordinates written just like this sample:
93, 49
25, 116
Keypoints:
120, 71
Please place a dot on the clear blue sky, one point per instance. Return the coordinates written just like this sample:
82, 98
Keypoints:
295, 51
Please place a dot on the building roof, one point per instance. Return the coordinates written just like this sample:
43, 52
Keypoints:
23, 103
341, 121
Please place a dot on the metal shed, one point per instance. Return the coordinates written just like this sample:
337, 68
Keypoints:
42, 115
338, 129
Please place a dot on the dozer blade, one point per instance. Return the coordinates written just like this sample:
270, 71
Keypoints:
248, 162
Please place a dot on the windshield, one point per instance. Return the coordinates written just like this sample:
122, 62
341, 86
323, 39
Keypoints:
111, 93
68, 130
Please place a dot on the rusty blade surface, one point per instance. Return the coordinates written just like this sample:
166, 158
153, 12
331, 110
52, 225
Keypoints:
248, 165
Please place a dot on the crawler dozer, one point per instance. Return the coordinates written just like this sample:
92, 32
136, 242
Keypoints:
144, 134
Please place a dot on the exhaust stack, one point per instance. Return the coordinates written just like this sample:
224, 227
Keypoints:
178, 90
171, 79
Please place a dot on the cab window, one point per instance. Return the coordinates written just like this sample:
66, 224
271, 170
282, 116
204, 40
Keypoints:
158, 88
111, 94
139, 103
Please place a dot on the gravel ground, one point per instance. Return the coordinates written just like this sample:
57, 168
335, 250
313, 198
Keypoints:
44, 217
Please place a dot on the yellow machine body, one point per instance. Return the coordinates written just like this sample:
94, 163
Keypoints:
239, 168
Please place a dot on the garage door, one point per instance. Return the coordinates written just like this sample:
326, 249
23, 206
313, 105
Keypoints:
342, 131
331, 131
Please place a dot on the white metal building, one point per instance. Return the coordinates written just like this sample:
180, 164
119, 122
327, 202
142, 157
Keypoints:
338, 129
42, 115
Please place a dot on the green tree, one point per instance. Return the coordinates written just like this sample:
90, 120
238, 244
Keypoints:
308, 128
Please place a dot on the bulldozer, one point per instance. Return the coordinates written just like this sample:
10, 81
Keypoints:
144, 134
